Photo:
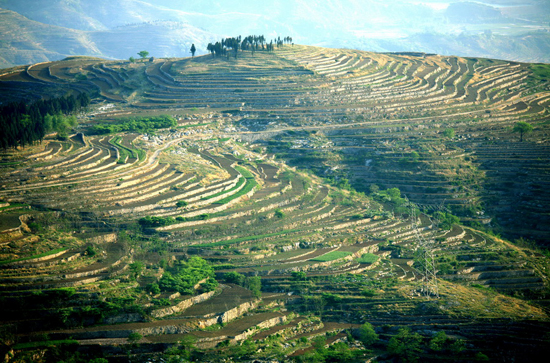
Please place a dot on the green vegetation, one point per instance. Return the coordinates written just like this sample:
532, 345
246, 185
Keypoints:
152, 221
126, 152
143, 54
246, 239
45, 254
249, 186
24, 124
523, 128
244, 172
240, 182
331, 256
186, 275
181, 204
367, 335
368, 258
449, 133
136, 124
330, 148
541, 71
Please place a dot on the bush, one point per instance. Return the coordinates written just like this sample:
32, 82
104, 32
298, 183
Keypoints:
209, 285
90, 251
279, 213
139, 124
234, 277
134, 337
369, 293
186, 276
153, 288
181, 204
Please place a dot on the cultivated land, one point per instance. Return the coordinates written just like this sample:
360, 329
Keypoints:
254, 180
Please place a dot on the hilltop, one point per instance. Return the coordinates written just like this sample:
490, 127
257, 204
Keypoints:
240, 208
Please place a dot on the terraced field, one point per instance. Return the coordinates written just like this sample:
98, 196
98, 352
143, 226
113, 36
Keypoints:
97, 229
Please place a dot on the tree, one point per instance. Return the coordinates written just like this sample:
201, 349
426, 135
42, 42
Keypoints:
193, 50
143, 54
136, 268
406, 345
449, 133
367, 335
439, 341
132, 60
254, 283
523, 128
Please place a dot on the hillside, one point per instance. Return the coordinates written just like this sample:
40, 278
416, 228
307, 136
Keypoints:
217, 208
27, 42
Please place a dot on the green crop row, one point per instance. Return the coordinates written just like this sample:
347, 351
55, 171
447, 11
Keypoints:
246, 239
331, 256
126, 151
238, 185
250, 184
35, 256
244, 172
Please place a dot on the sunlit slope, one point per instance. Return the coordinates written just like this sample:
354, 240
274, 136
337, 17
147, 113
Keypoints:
383, 116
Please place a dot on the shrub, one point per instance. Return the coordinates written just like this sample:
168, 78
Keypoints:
186, 276
153, 288
134, 337
181, 204
369, 292
234, 277
90, 251
279, 213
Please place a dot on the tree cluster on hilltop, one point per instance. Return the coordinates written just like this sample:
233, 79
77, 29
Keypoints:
22, 124
253, 43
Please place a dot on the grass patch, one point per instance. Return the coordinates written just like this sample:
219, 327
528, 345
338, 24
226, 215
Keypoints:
368, 258
52, 252
331, 256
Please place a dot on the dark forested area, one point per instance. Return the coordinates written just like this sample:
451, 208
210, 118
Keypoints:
24, 124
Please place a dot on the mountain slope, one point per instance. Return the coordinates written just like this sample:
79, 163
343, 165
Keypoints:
87, 15
25, 41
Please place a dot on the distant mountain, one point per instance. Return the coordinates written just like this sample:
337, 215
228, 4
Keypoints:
24, 41
88, 15
510, 29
